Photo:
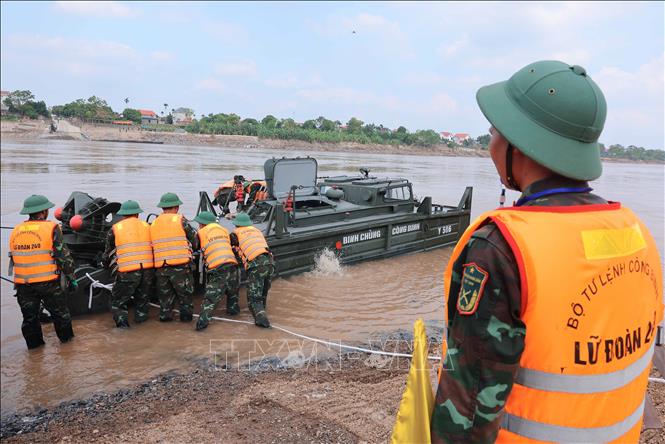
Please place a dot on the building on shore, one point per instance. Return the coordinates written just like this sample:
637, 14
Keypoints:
148, 117
183, 116
3, 106
461, 137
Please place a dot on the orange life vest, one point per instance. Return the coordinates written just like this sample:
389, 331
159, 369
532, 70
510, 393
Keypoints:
169, 241
133, 249
216, 246
252, 243
591, 288
31, 250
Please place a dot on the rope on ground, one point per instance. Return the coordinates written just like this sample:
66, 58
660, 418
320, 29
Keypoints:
320, 341
96, 284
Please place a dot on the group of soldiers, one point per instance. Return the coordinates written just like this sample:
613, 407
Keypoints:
145, 258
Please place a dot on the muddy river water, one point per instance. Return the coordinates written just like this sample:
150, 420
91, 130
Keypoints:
351, 304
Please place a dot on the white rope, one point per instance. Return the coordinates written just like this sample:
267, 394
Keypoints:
658, 380
320, 341
309, 338
96, 284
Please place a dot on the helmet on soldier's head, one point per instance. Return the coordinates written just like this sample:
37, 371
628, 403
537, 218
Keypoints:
169, 200
129, 207
242, 220
35, 204
553, 113
205, 218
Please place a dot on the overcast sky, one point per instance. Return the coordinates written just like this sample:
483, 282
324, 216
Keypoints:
411, 64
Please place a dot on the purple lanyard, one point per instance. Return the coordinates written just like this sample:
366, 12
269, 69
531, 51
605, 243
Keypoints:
522, 200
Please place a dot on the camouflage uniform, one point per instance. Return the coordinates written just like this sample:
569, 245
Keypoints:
220, 281
484, 349
177, 282
259, 273
136, 285
30, 298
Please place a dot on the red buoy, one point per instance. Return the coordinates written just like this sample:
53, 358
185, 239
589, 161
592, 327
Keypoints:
58, 213
76, 222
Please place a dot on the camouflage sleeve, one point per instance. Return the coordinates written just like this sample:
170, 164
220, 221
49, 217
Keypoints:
107, 256
190, 232
61, 253
485, 341
233, 237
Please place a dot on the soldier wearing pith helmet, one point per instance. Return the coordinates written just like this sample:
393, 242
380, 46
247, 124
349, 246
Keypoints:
252, 248
527, 308
39, 258
129, 252
220, 267
173, 240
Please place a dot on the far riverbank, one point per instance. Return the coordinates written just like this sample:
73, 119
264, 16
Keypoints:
36, 130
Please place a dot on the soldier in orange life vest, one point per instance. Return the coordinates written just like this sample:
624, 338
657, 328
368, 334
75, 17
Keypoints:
552, 304
173, 241
39, 256
258, 261
128, 246
221, 268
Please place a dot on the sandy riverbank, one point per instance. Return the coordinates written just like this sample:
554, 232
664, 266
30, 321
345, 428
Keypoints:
351, 401
17, 131
35, 130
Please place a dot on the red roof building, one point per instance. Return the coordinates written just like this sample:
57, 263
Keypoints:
148, 113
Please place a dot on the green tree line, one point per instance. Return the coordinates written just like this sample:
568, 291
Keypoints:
22, 102
321, 129
632, 152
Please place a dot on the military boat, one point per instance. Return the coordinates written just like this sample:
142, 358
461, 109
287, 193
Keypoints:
359, 218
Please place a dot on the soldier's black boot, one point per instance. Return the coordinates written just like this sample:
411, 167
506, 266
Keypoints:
186, 317
65, 332
232, 306
34, 341
261, 319
32, 333
201, 324
122, 323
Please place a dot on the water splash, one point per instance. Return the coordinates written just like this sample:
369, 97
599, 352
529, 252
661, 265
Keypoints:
327, 264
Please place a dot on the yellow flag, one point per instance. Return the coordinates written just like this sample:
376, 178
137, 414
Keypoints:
415, 410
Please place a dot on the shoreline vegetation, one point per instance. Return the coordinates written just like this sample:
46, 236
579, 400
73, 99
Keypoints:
93, 119
30, 130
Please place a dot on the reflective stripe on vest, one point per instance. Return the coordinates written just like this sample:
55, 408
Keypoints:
216, 246
252, 243
133, 249
553, 433
31, 249
170, 244
588, 347
556, 382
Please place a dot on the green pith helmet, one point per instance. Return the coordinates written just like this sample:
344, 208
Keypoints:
169, 200
129, 207
242, 220
35, 204
205, 217
553, 113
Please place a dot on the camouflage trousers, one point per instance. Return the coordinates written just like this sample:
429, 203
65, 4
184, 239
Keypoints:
175, 283
259, 273
223, 280
137, 285
30, 298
